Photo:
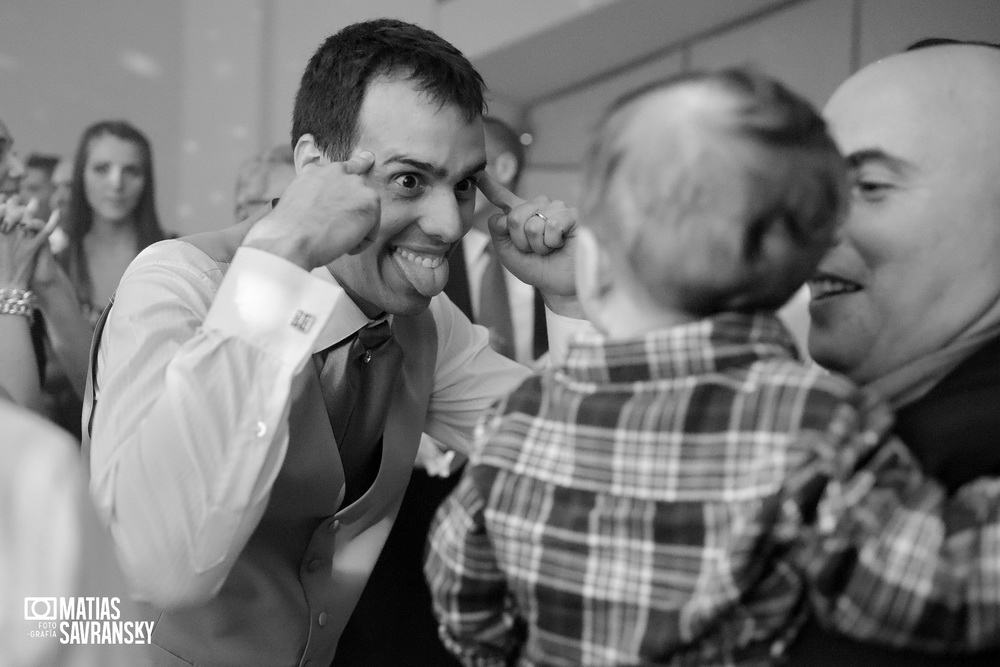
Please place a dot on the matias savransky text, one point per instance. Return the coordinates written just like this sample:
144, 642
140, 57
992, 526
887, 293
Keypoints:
84, 620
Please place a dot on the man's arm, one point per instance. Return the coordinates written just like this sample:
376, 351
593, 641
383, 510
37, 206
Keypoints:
891, 557
190, 428
66, 326
469, 377
196, 374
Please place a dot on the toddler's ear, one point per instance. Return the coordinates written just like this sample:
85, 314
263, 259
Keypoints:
594, 278
505, 168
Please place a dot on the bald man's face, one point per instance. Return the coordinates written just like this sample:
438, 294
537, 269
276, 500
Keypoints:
919, 255
11, 167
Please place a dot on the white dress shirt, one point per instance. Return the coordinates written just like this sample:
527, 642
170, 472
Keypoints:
198, 389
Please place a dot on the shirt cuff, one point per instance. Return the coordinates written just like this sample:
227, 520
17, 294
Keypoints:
273, 305
560, 330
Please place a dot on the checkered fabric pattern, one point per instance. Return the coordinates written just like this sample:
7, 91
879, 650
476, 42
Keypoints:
669, 500
892, 558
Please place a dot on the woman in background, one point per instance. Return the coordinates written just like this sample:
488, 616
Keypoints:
112, 211
110, 217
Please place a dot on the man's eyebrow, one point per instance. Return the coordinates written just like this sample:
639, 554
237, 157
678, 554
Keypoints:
434, 170
868, 156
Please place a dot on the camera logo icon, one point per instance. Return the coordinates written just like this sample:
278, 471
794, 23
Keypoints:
40, 609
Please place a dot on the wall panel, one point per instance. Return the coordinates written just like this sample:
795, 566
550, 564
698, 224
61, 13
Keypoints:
807, 46
888, 26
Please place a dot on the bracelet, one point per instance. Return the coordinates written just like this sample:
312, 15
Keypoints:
15, 301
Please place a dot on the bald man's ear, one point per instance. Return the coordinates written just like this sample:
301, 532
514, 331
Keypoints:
505, 168
306, 152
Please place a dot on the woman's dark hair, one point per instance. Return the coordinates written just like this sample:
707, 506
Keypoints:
80, 216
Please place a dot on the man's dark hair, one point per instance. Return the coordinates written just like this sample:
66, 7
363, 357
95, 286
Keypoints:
46, 163
337, 77
928, 42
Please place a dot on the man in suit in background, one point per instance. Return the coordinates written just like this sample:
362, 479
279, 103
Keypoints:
512, 310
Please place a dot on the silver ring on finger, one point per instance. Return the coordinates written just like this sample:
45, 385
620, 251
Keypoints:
536, 214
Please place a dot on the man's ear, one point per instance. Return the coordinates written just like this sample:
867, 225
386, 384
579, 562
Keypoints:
505, 168
593, 275
306, 152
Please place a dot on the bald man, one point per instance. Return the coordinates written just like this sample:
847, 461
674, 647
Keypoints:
11, 167
262, 178
908, 302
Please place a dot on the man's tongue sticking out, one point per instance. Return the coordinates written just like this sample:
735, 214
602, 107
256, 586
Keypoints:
427, 273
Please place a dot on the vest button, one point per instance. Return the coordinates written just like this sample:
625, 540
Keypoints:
314, 564
322, 619
334, 525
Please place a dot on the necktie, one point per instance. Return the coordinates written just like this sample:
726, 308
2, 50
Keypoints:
457, 288
494, 306
540, 338
357, 376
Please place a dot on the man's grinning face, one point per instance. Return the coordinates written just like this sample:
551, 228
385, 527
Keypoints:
428, 159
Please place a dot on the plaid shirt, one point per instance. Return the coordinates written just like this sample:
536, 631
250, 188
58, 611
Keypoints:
669, 499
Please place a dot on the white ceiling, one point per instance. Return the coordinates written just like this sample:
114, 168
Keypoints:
604, 41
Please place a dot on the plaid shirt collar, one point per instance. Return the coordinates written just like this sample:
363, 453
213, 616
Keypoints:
708, 345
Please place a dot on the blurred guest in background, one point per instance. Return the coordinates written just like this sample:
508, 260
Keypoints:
479, 285
112, 210
263, 178
37, 182
62, 182
110, 217
11, 167
51, 544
